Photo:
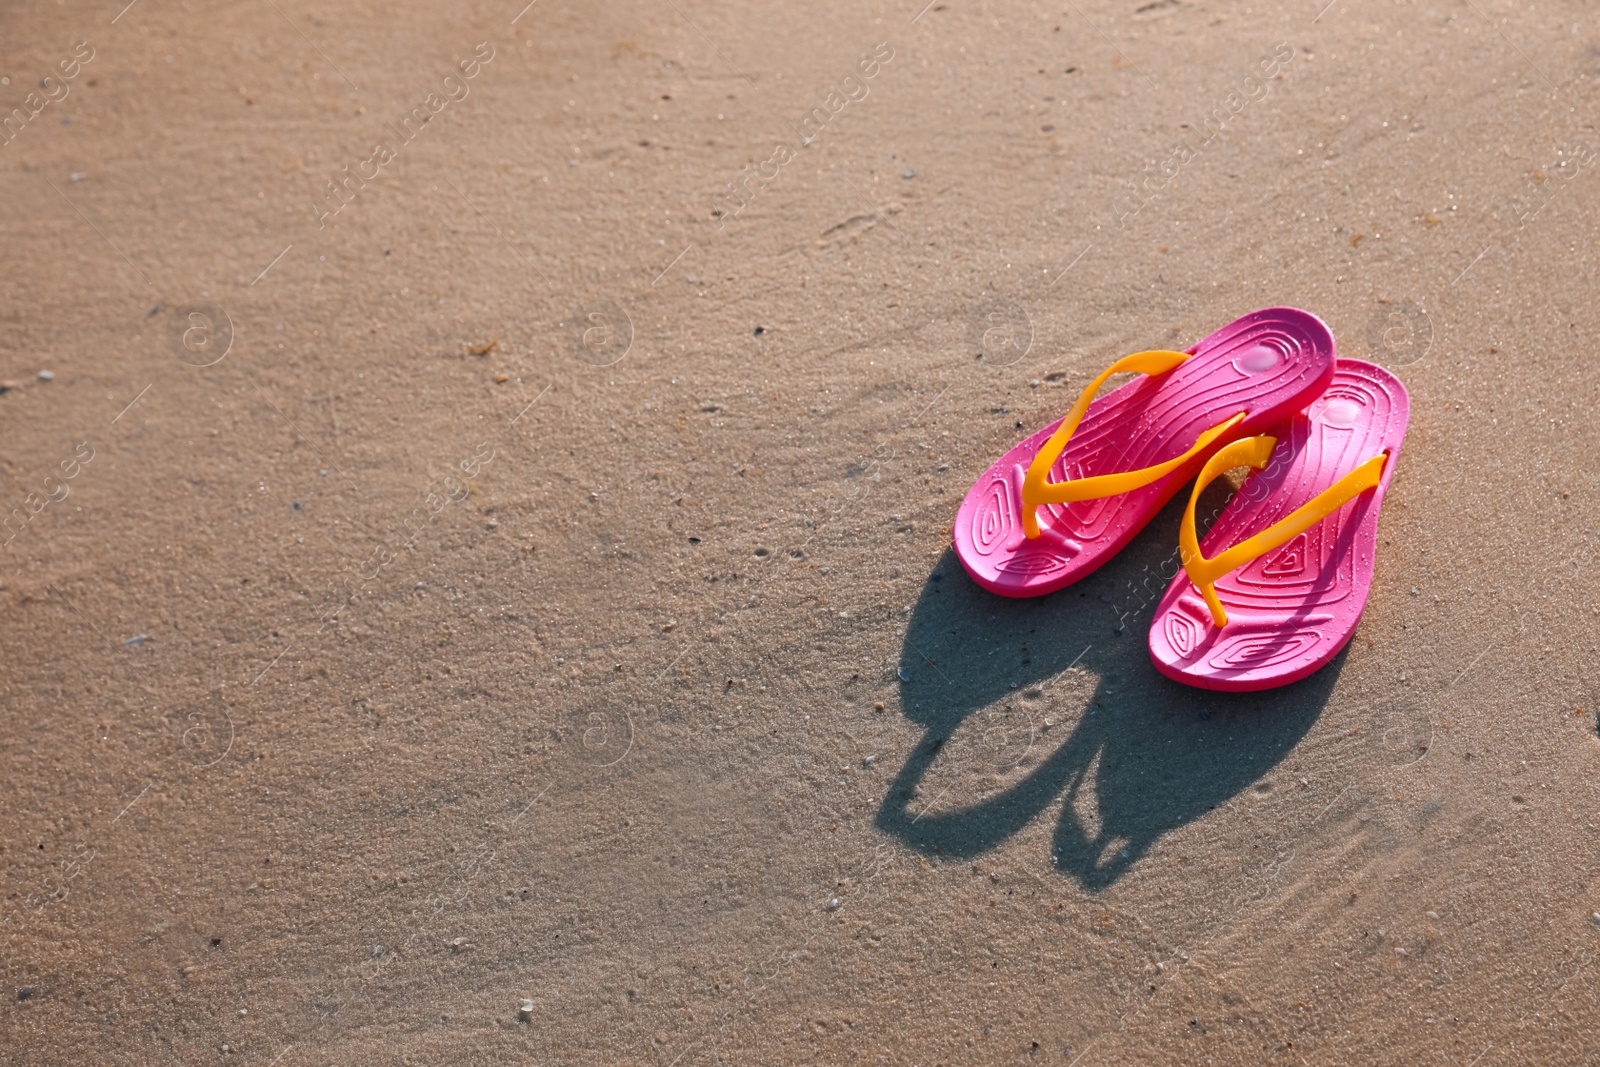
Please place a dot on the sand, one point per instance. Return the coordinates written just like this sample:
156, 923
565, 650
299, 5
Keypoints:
520, 572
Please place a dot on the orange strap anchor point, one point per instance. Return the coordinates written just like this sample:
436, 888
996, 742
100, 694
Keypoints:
1036, 490
1254, 452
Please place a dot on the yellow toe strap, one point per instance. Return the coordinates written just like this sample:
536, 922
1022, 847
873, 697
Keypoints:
1254, 452
1036, 490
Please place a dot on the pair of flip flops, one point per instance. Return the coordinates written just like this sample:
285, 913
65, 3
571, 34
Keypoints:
1274, 590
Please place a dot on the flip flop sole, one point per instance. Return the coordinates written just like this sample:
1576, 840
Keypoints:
1268, 364
1291, 610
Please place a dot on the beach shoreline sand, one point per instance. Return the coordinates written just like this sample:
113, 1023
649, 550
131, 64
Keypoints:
478, 579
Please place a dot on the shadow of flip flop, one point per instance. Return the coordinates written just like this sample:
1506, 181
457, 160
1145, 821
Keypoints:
1143, 757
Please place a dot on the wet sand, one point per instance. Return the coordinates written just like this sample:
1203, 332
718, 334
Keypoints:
481, 536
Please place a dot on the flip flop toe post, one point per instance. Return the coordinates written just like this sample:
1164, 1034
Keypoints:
1070, 496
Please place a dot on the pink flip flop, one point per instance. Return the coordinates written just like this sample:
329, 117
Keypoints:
1286, 597
1052, 510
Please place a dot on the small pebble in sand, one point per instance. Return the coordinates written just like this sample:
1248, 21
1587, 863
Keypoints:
76, 176
1596, 917
525, 1010
47, 376
908, 175
833, 903
135, 642
869, 761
